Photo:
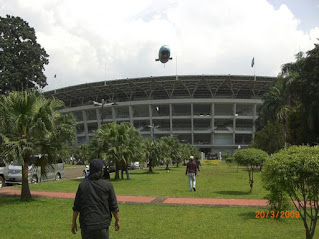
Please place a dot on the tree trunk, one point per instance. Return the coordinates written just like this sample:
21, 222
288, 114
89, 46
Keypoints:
150, 168
117, 170
25, 190
167, 167
308, 236
251, 178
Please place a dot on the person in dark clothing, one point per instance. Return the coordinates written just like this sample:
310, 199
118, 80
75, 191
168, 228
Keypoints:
95, 201
191, 170
197, 161
124, 167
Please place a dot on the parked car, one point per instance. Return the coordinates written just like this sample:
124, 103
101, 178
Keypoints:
4, 171
53, 172
110, 166
134, 165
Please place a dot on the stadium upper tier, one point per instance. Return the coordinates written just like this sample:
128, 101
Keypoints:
165, 87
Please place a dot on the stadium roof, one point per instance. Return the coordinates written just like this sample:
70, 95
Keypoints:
165, 87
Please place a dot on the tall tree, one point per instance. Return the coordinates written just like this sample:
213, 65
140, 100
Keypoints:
31, 125
276, 107
152, 153
303, 85
118, 142
172, 147
269, 141
22, 59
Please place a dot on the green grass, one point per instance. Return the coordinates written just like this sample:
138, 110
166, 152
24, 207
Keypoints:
51, 218
220, 181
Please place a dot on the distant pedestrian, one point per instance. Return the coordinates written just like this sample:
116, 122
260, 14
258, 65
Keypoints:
191, 171
197, 161
95, 200
86, 171
124, 167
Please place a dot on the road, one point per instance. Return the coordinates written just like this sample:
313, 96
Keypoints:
73, 172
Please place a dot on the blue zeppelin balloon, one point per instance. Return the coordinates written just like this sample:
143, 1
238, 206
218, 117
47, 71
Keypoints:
164, 54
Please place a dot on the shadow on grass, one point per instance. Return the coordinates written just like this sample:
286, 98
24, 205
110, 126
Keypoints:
15, 200
248, 215
147, 172
233, 193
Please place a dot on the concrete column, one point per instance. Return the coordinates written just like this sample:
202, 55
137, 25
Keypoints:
150, 114
234, 122
85, 125
131, 113
98, 117
113, 114
212, 122
192, 122
254, 120
170, 118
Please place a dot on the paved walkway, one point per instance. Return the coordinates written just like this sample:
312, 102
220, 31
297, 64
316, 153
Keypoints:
151, 199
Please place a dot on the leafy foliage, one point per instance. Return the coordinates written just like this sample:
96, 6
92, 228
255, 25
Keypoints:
118, 142
295, 172
250, 158
293, 101
152, 153
22, 59
270, 139
31, 125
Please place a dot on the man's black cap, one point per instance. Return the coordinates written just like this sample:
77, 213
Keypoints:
96, 165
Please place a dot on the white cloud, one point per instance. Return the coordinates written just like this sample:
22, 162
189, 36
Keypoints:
96, 40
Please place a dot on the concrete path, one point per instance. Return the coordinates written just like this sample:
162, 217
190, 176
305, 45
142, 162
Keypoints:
151, 199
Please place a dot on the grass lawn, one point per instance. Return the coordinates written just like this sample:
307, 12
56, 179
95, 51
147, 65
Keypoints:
51, 218
220, 181
73, 166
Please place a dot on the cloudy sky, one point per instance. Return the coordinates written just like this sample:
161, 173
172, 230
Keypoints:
98, 40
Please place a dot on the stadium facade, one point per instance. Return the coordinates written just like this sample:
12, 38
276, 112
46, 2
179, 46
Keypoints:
216, 113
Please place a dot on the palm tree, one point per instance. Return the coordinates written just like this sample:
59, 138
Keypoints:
277, 106
152, 153
172, 148
33, 126
118, 142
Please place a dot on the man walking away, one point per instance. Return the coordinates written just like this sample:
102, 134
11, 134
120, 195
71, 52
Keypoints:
191, 170
95, 200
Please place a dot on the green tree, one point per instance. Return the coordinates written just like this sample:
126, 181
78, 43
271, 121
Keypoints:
270, 139
276, 107
152, 153
251, 158
118, 142
81, 153
22, 59
171, 148
31, 125
295, 171
302, 84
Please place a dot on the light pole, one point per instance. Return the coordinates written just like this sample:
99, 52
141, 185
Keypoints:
102, 106
152, 130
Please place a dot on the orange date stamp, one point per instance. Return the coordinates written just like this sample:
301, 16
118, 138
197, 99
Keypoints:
277, 214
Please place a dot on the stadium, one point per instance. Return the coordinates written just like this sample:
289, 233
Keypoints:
215, 113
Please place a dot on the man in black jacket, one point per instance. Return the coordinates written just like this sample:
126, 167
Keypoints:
95, 200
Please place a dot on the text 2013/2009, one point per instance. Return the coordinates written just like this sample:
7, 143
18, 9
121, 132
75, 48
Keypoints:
277, 214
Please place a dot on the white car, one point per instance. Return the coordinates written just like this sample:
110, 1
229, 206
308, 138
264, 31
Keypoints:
4, 171
134, 165
53, 172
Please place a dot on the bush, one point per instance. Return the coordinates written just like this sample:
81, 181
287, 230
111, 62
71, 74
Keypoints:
295, 172
210, 162
250, 158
